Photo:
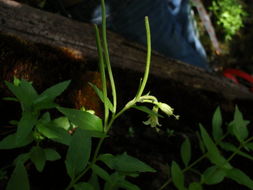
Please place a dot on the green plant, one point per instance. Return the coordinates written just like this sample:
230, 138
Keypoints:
37, 125
229, 15
212, 149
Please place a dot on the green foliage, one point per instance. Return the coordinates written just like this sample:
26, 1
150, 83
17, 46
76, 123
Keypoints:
229, 15
213, 149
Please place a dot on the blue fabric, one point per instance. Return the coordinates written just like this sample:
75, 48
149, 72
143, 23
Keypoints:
172, 29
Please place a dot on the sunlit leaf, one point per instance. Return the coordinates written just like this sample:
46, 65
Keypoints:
19, 178
45, 99
78, 153
177, 176
213, 153
186, 151
54, 133
24, 92
125, 163
101, 96
214, 175
82, 119
217, 125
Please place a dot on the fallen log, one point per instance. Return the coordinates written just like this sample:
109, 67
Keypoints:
47, 28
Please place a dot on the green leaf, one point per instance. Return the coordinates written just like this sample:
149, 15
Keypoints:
94, 181
195, 186
240, 177
22, 158
217, 125
238, 127
249, 145
147, 110
24, 92
177, 176
213, 153
45, 99
186, 151
51, 154
230, 147
101, 96
62, 122
54, 133
19, 178
213, 175
83, 186
124, 184
125, 163
25, 126
82, 119
9, 142
38, 157
101, 172
78, 153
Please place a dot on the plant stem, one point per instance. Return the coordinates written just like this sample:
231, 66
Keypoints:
107, 58
103, 76
148, 61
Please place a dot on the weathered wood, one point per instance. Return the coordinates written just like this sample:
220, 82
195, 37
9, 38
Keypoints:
43, 27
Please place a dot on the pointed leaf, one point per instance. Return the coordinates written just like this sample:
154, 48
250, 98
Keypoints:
62, 122
24, 92
19, 178
186, 151
101, 96
101, 172
38, 157
240, 177
217, 125
195, 186
238, 126
83, 119
177, 176
94, 181
51, 154
22, 158
125, 163
124, 184
230, 147
9, 142
78, 153
45, 100
213, 153
213, 175
83, 186
54, 133
25, 126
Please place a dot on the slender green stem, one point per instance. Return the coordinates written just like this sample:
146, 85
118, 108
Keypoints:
107, 58
148, 60
102, 72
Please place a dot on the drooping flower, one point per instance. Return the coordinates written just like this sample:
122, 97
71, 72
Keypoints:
153, 119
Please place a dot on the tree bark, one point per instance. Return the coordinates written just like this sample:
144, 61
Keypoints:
42, 27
